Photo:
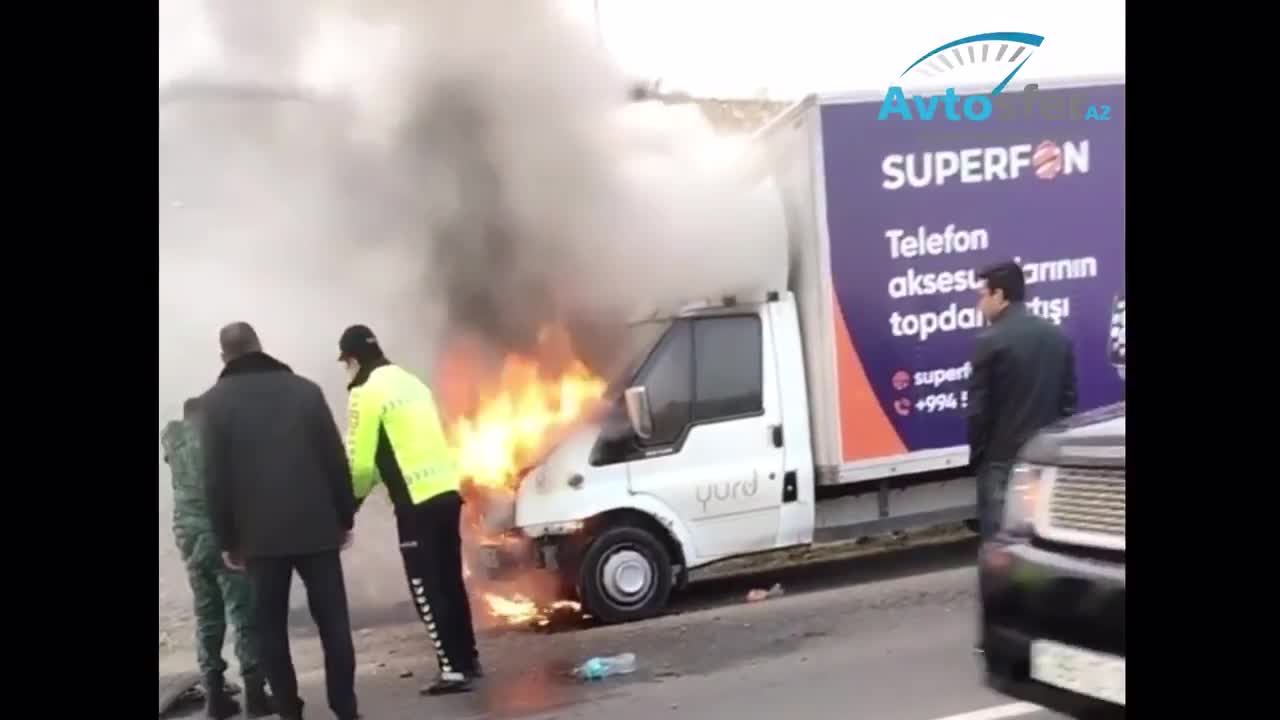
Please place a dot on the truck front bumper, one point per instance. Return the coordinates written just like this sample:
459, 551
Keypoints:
1053, 626
515, 554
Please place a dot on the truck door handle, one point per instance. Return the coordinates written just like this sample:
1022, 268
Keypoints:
775, 433
790, 490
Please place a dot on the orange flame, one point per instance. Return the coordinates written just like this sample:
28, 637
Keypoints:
521, 419
501, 426
519, 610
524, 413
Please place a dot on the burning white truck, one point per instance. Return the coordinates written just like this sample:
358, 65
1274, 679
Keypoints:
827, 408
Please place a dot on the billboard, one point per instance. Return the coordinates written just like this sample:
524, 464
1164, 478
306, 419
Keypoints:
915, 209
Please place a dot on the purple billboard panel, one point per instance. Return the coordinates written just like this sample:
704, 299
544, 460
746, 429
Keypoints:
916, 207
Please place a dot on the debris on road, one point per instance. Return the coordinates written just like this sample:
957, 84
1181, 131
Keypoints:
598, 668
182, 692
406, 673
757, 595
176, 688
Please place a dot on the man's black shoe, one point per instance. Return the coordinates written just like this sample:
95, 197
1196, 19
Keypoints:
288, 715
257, 703
218, 704
448, 686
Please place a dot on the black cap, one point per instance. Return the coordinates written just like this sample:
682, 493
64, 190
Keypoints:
356, 341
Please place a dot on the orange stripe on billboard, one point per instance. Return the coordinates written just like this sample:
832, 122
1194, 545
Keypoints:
865, 429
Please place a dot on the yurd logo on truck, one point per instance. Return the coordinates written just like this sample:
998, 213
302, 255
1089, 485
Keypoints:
725, 492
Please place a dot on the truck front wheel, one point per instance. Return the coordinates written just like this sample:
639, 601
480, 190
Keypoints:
625, 575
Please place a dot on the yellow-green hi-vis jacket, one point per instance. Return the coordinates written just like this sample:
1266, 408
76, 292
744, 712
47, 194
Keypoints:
395, 436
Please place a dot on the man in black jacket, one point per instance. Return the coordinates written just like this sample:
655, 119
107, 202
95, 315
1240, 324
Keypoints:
1023, 379
280, 499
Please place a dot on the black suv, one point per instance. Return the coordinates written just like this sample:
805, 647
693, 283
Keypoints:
1052, 578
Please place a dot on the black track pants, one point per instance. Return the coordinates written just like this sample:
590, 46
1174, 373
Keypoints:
431, 547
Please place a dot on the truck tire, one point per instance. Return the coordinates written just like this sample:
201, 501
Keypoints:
625, 575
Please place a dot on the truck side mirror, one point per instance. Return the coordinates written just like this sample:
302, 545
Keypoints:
638, 411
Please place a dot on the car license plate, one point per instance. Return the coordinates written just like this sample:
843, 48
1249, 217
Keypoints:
1086, 672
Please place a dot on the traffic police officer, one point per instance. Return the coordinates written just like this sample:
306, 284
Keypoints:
395, 435
218, 592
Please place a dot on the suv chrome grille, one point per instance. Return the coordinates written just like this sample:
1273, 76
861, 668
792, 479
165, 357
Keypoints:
1088, 500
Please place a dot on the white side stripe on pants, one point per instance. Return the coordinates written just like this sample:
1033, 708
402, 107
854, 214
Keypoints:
424, 611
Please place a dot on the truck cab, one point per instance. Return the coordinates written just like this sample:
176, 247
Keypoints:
701, 452
1052, 580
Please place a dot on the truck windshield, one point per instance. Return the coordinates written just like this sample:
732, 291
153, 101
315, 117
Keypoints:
640, 339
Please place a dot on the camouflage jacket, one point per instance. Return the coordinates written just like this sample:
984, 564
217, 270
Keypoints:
186, 466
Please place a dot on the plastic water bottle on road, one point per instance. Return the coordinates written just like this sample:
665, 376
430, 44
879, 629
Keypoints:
598, 668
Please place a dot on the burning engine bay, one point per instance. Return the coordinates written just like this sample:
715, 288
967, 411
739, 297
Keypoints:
475, 180
501, 419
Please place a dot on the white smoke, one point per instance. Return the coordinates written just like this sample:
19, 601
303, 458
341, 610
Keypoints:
420, 166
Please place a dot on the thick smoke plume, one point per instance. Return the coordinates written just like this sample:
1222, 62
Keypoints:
429, 168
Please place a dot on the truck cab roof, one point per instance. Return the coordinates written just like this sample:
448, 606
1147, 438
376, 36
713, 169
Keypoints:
727, 304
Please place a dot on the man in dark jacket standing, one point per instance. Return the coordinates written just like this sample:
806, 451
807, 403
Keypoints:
1023, 379
280, 499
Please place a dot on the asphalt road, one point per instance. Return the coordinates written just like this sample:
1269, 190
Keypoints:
886, 637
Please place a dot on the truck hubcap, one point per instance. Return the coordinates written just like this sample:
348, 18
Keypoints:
627, 577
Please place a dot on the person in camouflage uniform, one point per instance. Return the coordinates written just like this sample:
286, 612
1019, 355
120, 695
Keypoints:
219, 593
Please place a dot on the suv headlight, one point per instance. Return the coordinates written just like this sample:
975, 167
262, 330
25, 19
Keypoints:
1026, 483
